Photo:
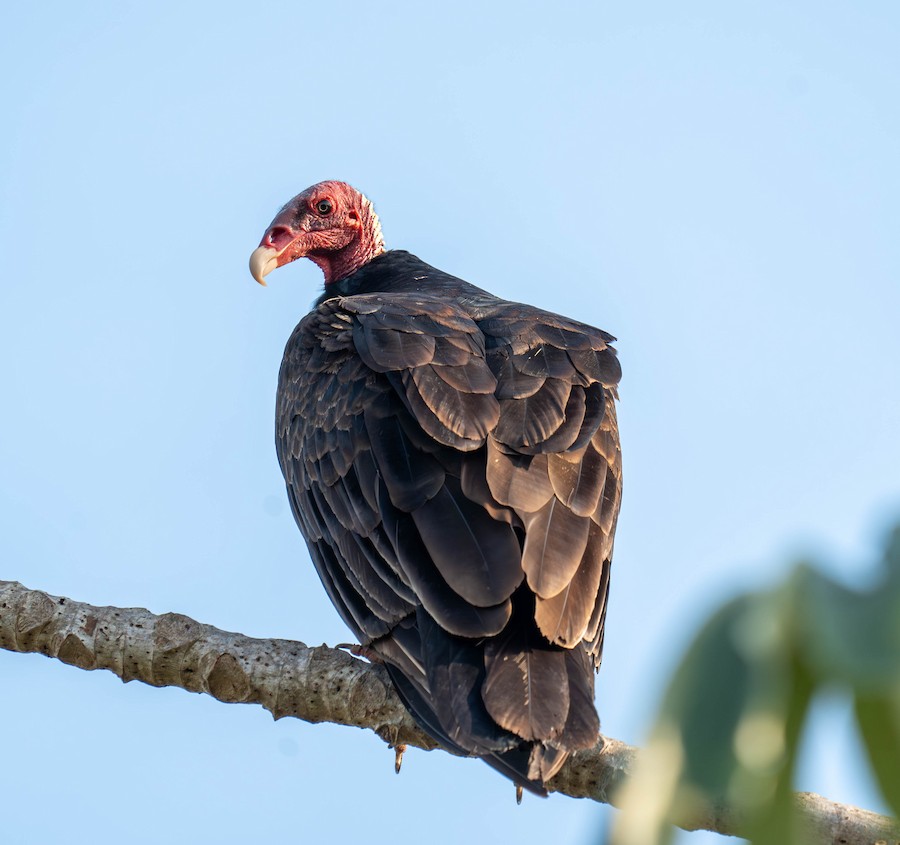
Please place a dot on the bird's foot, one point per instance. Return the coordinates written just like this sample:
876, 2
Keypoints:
518, 794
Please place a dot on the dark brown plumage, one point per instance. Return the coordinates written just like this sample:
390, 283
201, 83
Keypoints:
453, 462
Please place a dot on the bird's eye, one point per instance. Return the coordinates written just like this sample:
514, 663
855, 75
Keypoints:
324, 207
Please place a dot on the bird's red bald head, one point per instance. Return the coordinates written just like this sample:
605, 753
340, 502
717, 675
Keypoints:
330, 223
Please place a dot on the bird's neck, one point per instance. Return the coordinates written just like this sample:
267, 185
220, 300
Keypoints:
368, 244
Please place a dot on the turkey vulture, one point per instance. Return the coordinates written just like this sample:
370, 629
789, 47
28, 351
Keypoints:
453, 462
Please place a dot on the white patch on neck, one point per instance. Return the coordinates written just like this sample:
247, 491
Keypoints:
374, 222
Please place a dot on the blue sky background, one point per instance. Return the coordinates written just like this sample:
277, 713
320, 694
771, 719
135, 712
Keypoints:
715, 184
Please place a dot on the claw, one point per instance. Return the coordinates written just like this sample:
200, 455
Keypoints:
358, 650
518, 794
398, 757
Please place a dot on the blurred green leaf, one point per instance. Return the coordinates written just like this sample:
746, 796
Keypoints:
892, 555
731, 722
778, 821
846, 636
724, 726
879, 724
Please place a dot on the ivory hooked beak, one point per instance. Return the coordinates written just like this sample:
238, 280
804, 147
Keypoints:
263, 261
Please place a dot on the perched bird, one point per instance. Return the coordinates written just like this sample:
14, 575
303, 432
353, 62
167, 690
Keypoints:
453, 461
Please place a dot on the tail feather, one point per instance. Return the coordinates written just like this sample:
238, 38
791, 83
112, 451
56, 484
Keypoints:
526, 689
515, 700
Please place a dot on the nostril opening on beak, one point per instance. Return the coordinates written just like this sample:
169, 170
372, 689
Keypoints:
278, 237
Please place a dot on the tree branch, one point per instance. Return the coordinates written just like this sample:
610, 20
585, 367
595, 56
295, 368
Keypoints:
319, 684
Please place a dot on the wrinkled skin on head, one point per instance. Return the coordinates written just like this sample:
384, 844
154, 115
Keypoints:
330, 223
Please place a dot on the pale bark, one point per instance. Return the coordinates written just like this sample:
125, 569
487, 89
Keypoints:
319, 684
